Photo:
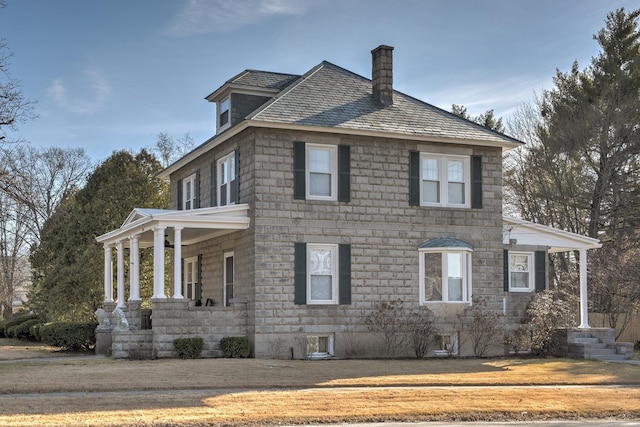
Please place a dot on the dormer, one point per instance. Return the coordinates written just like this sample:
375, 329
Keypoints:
245, 93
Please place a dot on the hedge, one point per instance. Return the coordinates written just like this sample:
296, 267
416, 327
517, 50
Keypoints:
71, 336
22, 331
235, 347
15, 322
188, 348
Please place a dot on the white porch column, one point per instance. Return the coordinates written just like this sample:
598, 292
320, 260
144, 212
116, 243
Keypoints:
108, 281
584, 299
120, 273
177, 263
134, 269
158, 262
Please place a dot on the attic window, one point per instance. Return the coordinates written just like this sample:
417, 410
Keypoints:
223, 114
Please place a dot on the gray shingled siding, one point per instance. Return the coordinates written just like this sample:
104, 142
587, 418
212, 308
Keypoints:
242, 105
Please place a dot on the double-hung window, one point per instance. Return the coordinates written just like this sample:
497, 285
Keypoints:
445, 275
227, 182
322, 172
189, 192
444, 180
190, 279
521, 275
228, 271
223, 114
322, 274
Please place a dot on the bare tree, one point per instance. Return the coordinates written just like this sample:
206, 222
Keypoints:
168, 149
39, 179
14, 251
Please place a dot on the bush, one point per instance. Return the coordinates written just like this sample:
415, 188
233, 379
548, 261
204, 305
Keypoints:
483, 326
548, 312
188, 348
72, 336
389, 321
22, 331
34, 330
235, 347
422, 330
15, 321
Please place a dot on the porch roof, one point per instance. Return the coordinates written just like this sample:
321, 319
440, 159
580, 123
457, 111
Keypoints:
529, 233
197, 225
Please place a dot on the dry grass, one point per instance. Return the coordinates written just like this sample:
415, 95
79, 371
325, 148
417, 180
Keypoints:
258, 392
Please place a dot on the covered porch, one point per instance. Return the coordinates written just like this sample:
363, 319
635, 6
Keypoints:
122, 331
159, 229
521, 232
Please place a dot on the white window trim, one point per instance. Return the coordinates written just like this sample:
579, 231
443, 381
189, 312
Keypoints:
443, 175
467, 280
453, 340
318, 354
334, 171
219, 114
334, 274
187, 261
226, 159
224, 276
531, 286
192, 201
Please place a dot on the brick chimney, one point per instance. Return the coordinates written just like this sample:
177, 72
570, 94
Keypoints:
382, 74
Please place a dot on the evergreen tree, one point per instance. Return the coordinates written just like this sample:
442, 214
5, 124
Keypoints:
69, 263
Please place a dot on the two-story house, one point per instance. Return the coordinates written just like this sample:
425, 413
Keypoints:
321, 196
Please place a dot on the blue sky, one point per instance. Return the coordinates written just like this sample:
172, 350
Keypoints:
110, 75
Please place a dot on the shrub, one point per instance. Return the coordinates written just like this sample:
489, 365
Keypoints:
22, 331
422, 330
483, 326
34, 330
389, 321
235, 347
188, 348
16, 321
72, 336
548, 312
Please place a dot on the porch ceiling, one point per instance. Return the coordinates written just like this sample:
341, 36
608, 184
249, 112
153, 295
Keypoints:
529, 233
197, 224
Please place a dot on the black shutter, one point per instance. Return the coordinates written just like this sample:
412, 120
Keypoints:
299, 163
344, 173
214, 197
414, 178
541, 270
344, 283
196, 190
505, 269
235, 184
179, 193
198, 285
300, 267
476, 182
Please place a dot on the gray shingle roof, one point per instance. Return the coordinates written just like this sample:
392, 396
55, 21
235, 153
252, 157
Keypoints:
264, 79
330, 96
444, 242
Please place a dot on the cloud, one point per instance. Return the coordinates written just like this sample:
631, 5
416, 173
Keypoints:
206, 16
86, 97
